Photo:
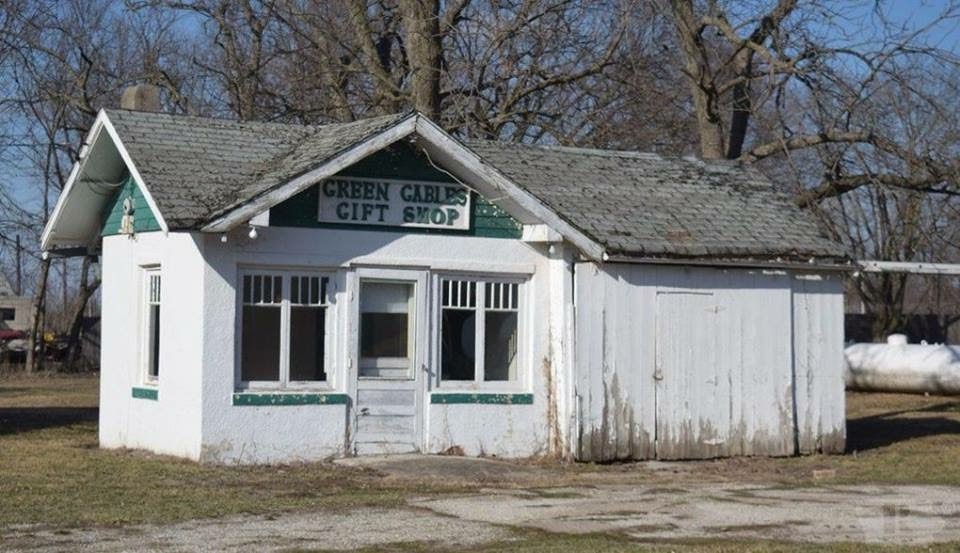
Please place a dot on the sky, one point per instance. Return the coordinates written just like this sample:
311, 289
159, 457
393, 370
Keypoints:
859, 16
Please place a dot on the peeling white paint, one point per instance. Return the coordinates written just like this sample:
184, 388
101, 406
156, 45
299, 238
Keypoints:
684, 362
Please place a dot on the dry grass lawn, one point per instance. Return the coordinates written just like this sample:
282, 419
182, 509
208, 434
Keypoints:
52, 473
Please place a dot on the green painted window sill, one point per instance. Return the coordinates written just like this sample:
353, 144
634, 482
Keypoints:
286, 398
489, 399
145, 393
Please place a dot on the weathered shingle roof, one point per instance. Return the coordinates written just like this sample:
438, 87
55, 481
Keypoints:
198, 167
638, 204
632, 204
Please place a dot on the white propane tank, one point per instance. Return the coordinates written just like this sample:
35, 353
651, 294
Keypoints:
901, 367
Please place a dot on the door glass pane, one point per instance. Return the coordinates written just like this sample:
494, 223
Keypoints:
385, 328
500, 348
306, 343
260, 353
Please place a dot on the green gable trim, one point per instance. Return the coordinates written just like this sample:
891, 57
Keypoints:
489, 399
143, 217
279, 399
145, 393
403, 162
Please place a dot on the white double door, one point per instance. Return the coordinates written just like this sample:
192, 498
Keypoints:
389, 357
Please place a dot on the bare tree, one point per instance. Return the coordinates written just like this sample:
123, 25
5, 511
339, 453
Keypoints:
66, 60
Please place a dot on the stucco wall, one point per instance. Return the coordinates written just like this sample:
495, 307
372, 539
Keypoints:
685, 362
283, 433
171, 423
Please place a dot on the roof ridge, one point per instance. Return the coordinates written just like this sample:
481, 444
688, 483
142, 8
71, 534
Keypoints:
250, 122
630, 154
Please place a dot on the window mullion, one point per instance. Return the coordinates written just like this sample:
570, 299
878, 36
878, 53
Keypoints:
481, 320
285, 331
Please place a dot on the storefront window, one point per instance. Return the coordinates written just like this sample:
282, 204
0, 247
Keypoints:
479, 329
278, 353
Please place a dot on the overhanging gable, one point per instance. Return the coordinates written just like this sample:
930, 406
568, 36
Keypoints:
94, 181
443, 150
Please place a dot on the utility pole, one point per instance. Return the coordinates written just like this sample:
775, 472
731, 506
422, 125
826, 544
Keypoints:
19, 268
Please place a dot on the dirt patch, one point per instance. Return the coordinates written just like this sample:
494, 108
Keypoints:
913, 515
353, 529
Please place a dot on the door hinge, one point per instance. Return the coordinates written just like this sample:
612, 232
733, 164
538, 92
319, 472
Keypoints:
658, 374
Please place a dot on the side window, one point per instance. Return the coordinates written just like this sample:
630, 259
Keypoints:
151, 324
283, 327
479, 330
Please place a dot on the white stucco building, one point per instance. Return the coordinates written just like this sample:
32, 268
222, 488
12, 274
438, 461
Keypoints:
275, 293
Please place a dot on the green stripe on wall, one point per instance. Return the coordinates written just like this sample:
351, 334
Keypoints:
490, 399
279, 399
145, 393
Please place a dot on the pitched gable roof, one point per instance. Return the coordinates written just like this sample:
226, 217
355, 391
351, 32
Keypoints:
211, 174
638, 204
198, 167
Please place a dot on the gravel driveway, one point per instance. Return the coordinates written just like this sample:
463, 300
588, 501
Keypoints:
872, 514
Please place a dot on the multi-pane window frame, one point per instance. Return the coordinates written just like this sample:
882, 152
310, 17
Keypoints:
150, 342
521, 286
285, 305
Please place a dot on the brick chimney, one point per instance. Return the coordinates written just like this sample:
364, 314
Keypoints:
141, 97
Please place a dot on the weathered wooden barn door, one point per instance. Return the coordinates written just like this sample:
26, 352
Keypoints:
692, 381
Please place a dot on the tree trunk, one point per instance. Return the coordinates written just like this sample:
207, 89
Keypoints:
85, 292
421, 19
35, 344
705, 101
742, 106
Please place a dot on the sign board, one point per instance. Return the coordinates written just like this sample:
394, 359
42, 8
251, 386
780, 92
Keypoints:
395, 203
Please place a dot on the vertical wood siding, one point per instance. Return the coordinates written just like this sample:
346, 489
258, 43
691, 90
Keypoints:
683, 363
818, 364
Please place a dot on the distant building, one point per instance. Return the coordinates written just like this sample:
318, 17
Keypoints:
15, 311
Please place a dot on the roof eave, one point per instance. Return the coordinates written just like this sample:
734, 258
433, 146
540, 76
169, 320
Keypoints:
813, 264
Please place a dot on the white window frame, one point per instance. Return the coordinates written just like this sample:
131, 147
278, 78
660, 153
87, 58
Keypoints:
147, 298
329, 341
478, 383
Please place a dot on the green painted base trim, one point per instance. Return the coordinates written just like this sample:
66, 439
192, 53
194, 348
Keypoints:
490, 399
281, 398
145, 393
